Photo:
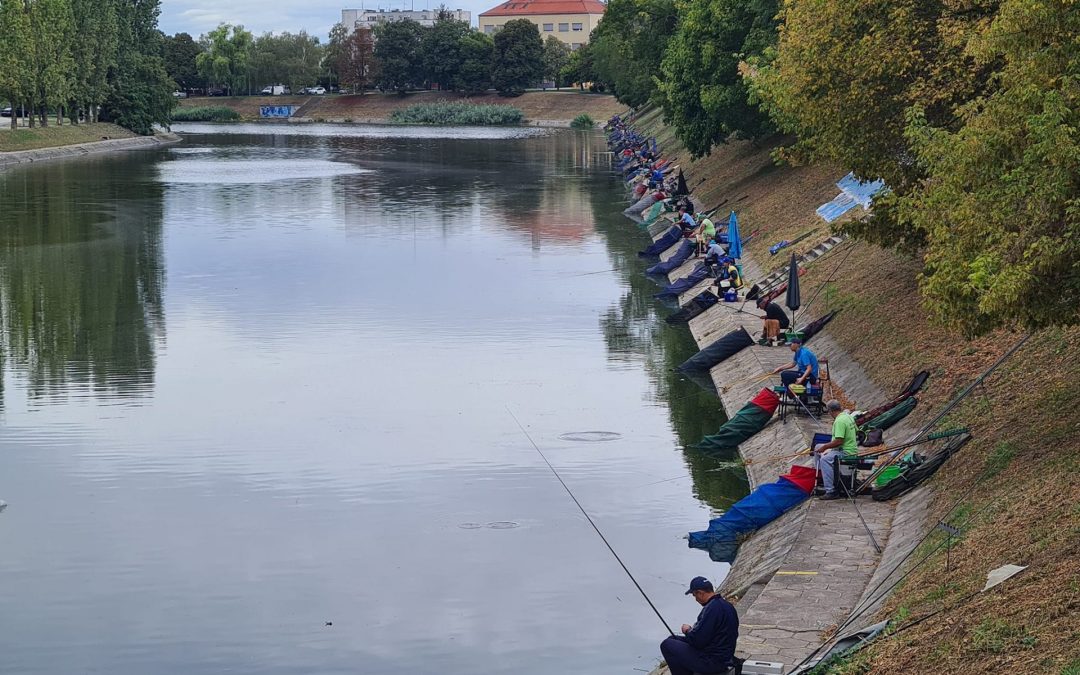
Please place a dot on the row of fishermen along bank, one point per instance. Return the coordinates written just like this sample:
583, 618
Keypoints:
833, 462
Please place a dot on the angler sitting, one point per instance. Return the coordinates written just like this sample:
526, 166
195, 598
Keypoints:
686, 221
843, 443
705, 232
775, 319
803, 368
707, 647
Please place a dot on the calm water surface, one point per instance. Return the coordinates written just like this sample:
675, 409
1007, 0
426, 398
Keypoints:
261, 382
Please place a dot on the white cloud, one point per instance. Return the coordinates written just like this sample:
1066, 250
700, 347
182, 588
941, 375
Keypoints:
259, 16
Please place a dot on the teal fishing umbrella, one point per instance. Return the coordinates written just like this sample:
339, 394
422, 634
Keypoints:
734, 239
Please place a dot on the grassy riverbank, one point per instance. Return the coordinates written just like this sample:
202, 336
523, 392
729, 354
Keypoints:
13, 140
1015, 483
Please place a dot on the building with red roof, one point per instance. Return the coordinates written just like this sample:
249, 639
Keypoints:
570, 21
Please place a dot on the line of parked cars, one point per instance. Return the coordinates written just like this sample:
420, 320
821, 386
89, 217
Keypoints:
283, 90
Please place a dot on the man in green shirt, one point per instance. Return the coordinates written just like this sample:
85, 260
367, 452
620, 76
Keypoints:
843, 443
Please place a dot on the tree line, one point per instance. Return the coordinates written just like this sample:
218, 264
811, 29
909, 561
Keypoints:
84, 60
969, 111
394, 56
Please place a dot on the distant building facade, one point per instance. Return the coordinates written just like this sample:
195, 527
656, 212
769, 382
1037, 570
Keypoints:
570, 21
369, 18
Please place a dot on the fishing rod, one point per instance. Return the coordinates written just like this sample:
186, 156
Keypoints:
952, 404
589, 518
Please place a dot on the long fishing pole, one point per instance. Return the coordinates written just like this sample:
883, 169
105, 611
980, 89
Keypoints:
589, 518
952, 404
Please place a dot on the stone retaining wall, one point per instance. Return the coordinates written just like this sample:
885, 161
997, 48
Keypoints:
82, 149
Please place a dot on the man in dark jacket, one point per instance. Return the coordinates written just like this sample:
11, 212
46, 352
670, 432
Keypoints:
707, 647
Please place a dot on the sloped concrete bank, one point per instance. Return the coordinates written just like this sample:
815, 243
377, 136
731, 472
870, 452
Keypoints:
82, 149
800, 577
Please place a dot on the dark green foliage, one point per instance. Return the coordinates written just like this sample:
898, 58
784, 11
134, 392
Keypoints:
519, 54
704, 94
474, 75
205, 114
441, 50
628, 46
583, 121
398, 51
556, 57
579, 69
458, 112
141, 91
180, 54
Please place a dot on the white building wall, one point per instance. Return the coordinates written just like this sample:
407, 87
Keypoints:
354, 18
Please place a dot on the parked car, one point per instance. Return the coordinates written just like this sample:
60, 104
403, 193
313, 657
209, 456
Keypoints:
215, 91
8, 112
315, 91
275, 90
180, 94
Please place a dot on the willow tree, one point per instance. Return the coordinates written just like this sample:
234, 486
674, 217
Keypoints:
1001, 199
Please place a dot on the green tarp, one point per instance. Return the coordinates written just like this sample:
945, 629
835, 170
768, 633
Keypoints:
748, 421
892, 416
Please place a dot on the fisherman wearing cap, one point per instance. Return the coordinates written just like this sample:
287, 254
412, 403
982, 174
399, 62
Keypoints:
803, 367
843, 443
707, 647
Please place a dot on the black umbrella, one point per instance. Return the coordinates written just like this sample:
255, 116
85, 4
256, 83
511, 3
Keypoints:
793, 300
681, 189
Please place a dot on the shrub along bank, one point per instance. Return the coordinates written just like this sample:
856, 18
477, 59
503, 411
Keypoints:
205, 114
458, 113
1013, 487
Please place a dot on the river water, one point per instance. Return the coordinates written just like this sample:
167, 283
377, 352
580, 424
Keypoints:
258, 409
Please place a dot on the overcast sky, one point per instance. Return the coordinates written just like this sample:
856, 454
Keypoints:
259, 16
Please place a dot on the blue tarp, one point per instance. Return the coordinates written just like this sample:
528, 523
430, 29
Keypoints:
674, 262
669, 239
853, 192
696, 276
752, 512
840, 205
861, 191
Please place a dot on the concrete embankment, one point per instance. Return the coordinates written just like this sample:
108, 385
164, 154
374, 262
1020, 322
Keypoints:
82, 149
803, 575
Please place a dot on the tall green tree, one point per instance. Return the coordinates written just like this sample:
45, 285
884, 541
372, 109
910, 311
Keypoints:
628, 46
519, 57
440, 49
1000, 201
94, 49
140, 95
474, 74
705, 96
53, 26
225, 57
181, 53
580, 68
398, 51
334, 53
16, 42
556, 56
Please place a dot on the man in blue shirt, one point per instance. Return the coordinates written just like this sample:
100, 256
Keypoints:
686, 221
707, 647
802, 369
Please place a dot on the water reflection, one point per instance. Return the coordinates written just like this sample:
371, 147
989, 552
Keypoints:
635, 331
81, 280
331, 409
